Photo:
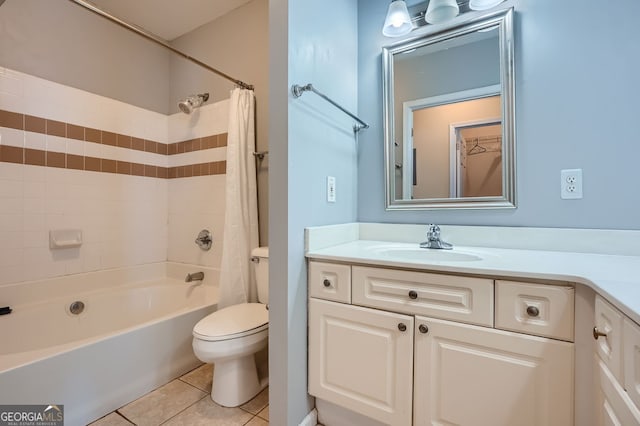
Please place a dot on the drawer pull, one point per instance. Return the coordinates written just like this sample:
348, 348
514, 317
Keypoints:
597, 333
326, 283
402, 327
423, 329
533, 311
413, 294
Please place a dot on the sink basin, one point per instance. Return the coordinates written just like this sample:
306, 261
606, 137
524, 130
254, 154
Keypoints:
420, 254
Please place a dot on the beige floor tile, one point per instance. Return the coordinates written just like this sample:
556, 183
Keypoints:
112, 419
161, 404
257, 421
258, 402
207, 412
201, 377
264, 413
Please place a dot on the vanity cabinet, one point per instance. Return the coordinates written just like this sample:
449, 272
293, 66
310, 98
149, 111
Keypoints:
417, 348
617, 365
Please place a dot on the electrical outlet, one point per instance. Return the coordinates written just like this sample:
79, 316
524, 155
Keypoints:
571, 184
331, 189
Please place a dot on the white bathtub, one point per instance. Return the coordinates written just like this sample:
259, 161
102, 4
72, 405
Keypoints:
133, 336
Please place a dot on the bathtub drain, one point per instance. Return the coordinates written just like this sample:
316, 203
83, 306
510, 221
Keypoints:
76, 308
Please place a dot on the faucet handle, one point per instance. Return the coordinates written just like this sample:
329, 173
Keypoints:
434, 231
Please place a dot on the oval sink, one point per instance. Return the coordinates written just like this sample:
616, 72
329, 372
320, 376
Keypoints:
427, 254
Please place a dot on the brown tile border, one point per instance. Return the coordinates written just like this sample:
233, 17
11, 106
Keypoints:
17, 155
36, 157
12, 120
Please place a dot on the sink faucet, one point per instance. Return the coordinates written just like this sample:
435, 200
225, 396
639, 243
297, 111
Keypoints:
433, 239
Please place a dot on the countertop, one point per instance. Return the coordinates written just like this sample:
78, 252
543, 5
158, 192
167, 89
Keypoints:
615, 277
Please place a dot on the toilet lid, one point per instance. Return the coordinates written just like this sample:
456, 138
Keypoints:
233, 322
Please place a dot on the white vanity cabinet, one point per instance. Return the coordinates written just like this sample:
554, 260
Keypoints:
417, 348
617, 365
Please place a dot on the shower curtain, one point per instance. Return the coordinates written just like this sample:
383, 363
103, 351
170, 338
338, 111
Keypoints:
237, 280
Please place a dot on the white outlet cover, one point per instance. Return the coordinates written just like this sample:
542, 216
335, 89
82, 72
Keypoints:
571, 184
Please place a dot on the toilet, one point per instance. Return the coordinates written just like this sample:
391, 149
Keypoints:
233, 339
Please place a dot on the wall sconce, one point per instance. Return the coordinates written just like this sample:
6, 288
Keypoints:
401, 20
398, 21
483, 4
441, 11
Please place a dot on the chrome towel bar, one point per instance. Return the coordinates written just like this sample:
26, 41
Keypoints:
298, 90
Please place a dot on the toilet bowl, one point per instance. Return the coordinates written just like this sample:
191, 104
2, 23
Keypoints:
230, 339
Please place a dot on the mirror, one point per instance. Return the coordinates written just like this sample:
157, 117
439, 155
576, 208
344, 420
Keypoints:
449, 117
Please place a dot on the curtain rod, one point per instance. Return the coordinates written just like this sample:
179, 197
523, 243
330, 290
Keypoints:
157, 40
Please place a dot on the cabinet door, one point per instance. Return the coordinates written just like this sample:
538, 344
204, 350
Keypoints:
632, 360
613, 405
469, 375
362, 359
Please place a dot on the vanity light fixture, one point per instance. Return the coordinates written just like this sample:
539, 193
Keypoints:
483, 4
398, 21
440, 11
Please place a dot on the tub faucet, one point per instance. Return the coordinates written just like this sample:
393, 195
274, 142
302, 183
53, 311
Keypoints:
196, 276
433, 239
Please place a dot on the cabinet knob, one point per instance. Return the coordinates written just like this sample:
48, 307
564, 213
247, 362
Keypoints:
326, 283
533, 311
402, 327
413, 294
597, 333
423, 329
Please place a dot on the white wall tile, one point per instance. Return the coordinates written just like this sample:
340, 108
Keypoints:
56, 143
11, 137
126, 220
35, 141
11, 171
76, 147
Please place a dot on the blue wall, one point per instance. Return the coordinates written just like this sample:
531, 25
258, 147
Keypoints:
310, 42
577, 93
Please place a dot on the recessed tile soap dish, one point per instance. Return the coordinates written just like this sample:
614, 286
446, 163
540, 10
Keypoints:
65, 238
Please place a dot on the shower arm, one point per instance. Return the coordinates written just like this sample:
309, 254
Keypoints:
157, 40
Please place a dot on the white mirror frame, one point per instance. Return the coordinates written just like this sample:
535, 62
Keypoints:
504, 20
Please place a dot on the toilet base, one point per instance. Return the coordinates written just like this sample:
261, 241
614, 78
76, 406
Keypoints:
236, 381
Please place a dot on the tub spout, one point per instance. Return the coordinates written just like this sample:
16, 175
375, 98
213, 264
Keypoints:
196, 276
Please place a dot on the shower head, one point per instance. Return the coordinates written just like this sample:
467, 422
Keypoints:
192, 102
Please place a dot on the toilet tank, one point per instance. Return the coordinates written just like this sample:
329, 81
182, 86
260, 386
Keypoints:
260, 258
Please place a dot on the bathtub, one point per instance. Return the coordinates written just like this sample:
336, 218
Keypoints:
133, 335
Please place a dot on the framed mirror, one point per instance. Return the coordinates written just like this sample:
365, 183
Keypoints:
449, 117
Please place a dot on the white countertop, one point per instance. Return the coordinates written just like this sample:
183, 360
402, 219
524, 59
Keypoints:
615, 277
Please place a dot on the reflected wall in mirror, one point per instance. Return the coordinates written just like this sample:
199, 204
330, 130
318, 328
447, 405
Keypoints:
449, 117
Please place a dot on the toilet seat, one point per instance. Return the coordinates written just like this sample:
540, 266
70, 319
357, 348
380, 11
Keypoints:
233, 322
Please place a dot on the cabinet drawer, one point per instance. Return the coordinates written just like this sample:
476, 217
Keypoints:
463, 299
609, 321
330, 281
543, 310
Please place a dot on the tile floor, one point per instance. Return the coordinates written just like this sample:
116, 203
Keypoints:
186, 401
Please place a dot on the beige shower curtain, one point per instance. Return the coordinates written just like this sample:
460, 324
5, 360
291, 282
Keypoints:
237, 281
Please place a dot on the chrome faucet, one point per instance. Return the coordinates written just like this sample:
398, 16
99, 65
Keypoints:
433, 239
196, 276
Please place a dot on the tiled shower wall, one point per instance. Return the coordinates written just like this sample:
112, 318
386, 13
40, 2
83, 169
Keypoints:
72, 159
